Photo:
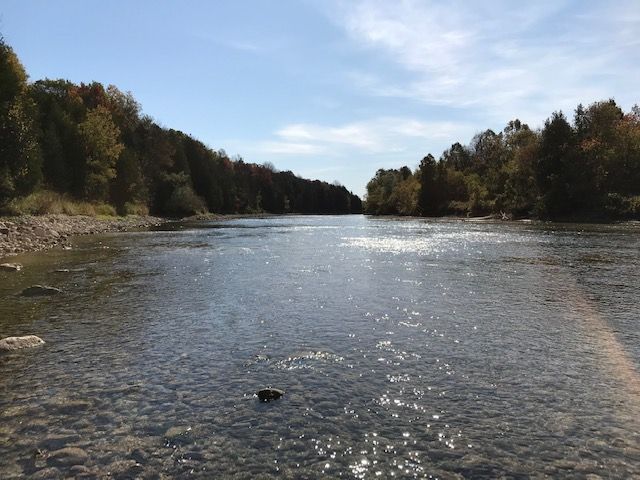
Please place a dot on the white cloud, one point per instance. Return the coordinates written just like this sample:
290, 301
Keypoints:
376, 136
500, 58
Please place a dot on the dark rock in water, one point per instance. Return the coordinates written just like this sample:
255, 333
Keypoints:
268, 394
17, 343
40, 290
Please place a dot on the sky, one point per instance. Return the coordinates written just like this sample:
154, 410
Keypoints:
334, 89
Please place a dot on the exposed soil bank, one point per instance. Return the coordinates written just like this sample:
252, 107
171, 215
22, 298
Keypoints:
31, 233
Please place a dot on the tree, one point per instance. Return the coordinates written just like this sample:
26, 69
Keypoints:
100, 138
91, 142
128, 190
20, 158
428, 200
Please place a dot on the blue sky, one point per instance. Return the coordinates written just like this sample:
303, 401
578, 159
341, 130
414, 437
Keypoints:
335, 89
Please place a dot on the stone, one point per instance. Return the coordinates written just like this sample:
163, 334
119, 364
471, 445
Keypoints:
79, 471
39, 291
124, 469
139, 455
11, 267
17, 343
268, 394
56, 442
67, 457
178, 435
49, 473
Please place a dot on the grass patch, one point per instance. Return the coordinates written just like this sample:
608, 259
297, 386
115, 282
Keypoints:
47, 202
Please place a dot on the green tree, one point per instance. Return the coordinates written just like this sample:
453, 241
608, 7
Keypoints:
520, 192
100, 138
128, 190
20, 158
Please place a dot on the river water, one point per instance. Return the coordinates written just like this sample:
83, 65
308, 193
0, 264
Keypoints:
407, 349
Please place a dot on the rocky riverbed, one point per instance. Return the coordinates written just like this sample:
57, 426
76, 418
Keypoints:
33, 233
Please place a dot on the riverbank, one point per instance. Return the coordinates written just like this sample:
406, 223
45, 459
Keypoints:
30, 233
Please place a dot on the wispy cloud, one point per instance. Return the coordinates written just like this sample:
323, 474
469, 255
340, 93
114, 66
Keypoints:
501, 57
245, 46
380, 135
290, 148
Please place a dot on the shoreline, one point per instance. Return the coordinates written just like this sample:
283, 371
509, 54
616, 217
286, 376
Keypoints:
32, 233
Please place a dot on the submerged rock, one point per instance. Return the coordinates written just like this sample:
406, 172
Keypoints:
50, 473
81, 471
178, 435
11, 267
268, 394
124, 469
67, 457
56, 442
40, 290
17, 343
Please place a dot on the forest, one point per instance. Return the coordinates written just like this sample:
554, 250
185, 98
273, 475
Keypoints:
64, 145
587, 169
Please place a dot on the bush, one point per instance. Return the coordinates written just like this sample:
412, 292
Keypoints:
184, 201
139, 209
621, 206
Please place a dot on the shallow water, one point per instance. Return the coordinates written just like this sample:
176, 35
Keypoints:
407, 349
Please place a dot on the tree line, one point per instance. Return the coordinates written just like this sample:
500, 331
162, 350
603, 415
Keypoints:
92, 143
587, 169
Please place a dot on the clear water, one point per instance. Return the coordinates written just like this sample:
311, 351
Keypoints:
407, 349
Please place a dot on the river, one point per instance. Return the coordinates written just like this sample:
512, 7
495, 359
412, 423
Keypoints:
407, 349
